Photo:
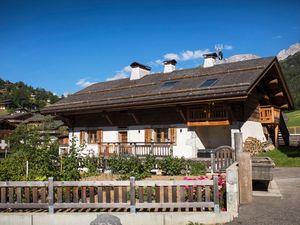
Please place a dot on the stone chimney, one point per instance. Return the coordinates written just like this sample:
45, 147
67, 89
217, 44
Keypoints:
210, 59
138, 71
170, 66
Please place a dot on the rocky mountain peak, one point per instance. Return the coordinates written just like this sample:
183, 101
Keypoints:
293, 49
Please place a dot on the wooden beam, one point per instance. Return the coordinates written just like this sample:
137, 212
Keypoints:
276, 131
134, 117
181, 114
108, 119
266, 97
208, 123
279, 94
274, 81
285, 106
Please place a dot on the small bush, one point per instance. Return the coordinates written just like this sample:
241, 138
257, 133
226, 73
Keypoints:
173, 166
132, 166
197, 168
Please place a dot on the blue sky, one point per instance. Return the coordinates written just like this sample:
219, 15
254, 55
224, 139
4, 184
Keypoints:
64, 45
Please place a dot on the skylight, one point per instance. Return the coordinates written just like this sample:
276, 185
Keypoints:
209, 83
168, 84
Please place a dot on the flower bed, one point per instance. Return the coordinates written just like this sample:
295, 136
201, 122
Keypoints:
221, 186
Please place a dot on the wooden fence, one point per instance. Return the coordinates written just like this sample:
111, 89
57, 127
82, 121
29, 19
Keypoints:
294, 130
221, 158
128, 195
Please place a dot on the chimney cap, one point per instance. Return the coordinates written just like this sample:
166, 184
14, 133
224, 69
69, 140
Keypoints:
136, 64
173, 62
210, 55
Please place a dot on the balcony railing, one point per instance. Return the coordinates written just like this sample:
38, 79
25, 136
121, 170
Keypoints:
136, 148
269, 115
208, 116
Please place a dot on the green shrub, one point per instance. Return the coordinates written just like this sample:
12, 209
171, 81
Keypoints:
40, 152
132, 166
173, 165
197, 168
70, 163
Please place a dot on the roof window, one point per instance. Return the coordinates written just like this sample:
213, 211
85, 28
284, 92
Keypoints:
168, 84
209, 83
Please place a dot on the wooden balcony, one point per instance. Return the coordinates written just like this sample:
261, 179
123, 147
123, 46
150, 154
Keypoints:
142, 149
269, 115
208, 116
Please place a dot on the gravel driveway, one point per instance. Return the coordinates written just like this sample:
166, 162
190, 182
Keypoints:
283, 210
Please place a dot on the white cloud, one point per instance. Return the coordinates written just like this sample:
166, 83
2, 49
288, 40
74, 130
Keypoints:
117, 76
277, 37
84, 83
170, 56
186, 55
228, 47
124, 73
127, 69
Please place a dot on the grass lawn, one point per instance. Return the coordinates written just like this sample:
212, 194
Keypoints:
294, 118
285, 156
3, 112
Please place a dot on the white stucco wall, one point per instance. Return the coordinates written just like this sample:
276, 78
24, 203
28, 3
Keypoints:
136, 134
214, 136
185, 143
253, 129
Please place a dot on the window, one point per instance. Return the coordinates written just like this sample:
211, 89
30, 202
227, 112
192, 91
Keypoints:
92, 137
168, 84
209, 83
161, 135
123, 137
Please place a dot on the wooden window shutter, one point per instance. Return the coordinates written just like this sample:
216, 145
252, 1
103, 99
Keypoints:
100, 136
173, 133
82, 137
148, 135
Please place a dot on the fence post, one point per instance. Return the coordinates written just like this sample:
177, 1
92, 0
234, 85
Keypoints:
50, 195
212, 161
238, 144
132, 195
232, 189
216, 195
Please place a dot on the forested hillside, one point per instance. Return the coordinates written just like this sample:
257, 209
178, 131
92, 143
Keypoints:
291, 70
21, 96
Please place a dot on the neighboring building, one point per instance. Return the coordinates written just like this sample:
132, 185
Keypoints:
6, 104
47, 125
179, 111
5, 130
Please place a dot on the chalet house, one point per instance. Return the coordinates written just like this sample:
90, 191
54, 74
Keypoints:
179, 112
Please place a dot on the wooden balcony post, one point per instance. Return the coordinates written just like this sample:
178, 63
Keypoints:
276, 132
134, 149
118, 148
171, 149
152, 149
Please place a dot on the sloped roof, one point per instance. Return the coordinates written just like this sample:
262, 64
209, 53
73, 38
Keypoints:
234, 80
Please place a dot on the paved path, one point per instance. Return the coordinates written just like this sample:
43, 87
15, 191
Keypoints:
283, 210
